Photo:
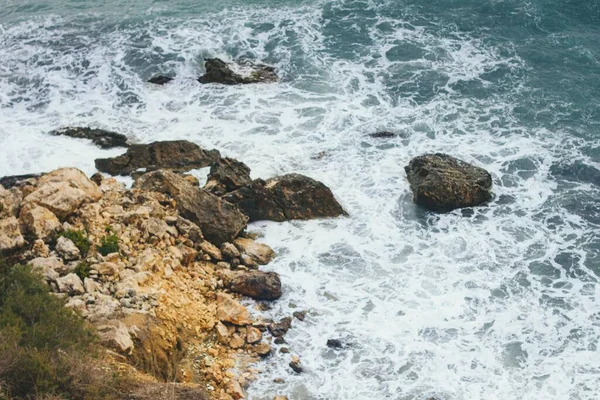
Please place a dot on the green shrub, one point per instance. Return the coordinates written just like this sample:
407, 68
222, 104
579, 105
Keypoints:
109, 244
79, 239
83, 270
46, 349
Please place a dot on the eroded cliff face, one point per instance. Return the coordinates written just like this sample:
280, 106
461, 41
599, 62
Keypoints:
164, 300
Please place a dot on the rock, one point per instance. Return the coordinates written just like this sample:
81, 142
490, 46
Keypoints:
212, 250
62, 191
259, 252
176, 154
116, 335
300, 315
40, 249
160, 80
100, 137
218, 71
107, 269
280, 328
284, 198
383, 135
262, 349
235, 390
279, 340
223, 335
11, 181
334, 344
219, 220
10, 234
280, 398
230, 310
229, 251
443, 183
91, 286
67, 249
237, 342
257, 284
253, 335
49, 267
227, 175
156, 227
39, 221
10, 202
97, 178
190, 229
295, 365
70, 284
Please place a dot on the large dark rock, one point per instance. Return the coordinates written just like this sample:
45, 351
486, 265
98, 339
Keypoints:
288, 197
176, 154
442, 183
218, 71
257, 284
100, 137
19, 180
227, 175
219, 220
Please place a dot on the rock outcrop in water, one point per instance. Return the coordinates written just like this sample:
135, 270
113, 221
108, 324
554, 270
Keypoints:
100, 137
218, 71
442, 183
176, 154
287, 197
160, 80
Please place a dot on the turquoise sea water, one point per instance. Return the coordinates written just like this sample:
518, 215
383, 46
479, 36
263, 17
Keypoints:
497, 302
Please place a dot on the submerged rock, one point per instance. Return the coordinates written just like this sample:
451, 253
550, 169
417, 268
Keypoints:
257, 284
442, 183
219, 220
100, 137
218, 71
175, 154
383, 135
160, 80
288, 197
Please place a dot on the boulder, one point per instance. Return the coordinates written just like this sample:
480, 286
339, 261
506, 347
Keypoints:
442, 183
19, 180
212, 250
67, 249
288, 197
160, 80
49, 267
260, 253
10, 234
100, 137
62, 191
218, 71
39, 221
218, 220
227, 175
10, 202
176, 154
253, 335
229, 251
280, 328
257, 284
230, 310
116, 335
70, 284
334, 343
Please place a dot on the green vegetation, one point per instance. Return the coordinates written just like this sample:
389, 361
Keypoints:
46, 350
109, 244
79, 238
82, 270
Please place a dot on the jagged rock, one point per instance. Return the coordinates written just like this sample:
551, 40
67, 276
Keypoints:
67, 249
187, 227
288, 197
10, 202
218, 71
100, 137
62, 191
300, 315
237, 342
212, 250
295, 365
443, 183
40, 249
230, 310
253, 335
10, 234
229, 251
116, 335
227, 175
11, 181
176, 154
262, 349
70, 284
235, 389
257, 284
156, 227
160, 80
280, 328
223, 335
259, 252
219, 220
39, 221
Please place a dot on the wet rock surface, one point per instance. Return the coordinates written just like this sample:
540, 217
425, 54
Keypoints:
176, 154
160, 80
218, 71
100, 137
442, 183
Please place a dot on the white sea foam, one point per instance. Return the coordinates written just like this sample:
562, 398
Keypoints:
467, 305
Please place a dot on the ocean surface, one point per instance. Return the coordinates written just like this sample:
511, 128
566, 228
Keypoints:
495, 302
